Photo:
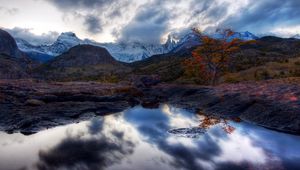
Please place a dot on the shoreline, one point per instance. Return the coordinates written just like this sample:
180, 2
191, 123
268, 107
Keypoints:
28, 106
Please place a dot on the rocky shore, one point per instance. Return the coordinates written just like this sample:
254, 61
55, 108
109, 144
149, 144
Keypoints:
28, 106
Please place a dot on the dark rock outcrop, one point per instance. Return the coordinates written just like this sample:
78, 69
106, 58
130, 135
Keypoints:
29, 106
83, 55
14, 64
83, 62
8, 45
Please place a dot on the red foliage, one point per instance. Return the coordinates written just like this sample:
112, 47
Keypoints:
211, 58
209, 121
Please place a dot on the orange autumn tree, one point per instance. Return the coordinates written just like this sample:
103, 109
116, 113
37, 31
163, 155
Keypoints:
211, 58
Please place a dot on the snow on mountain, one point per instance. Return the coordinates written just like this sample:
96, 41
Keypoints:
134, 51
297, 36
190, 38
63, 43
26, 46
171, 42
246, 36
126, 52
186, 40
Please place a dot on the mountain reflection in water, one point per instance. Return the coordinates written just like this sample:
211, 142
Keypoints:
138, 139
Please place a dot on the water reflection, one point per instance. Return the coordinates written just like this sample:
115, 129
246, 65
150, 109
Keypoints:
138, 139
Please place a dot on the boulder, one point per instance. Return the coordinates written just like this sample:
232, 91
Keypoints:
34, 102
145, 81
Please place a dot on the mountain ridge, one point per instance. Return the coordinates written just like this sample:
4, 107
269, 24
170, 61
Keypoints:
121, 51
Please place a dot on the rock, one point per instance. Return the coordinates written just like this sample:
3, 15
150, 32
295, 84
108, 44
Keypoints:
273, 104
149, 81
145, 81
150, 104
194, 132
34, 102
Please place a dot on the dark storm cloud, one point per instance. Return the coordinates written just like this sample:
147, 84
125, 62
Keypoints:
93, 24
198, 7
24, 33
67, 4
148, 25
207, 9
152, 19
94, 11
92, 153
261, 16
73, 153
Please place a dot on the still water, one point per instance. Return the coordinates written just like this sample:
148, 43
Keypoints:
146, 139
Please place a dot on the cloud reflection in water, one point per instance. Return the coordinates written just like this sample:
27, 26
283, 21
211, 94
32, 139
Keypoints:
138, 139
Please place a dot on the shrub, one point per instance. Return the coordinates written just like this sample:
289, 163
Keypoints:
262, 75
232, 79
297, 63
296, 73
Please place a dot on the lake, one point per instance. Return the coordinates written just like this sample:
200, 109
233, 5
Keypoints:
151, 139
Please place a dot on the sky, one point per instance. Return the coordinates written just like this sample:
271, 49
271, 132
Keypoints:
149, 21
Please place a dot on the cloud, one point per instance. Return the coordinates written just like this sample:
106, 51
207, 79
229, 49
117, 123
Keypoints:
26, 34
9, 11
150, 20
93, 23
146, 21
155, 19
95, 15
96, 152
148, 25
71, 4
86, 154
182, 157
265, 15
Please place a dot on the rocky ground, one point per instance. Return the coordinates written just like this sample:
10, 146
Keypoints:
274, 104
29, 106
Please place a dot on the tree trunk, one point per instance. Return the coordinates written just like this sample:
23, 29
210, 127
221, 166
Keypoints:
214, 78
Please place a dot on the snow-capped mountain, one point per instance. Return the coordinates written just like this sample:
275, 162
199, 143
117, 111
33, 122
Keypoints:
134, 51
171, 42
297, 36
246, 36
63, 43
185, 41
190, 39
126, 52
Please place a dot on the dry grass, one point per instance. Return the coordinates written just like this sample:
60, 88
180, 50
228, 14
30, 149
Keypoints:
271, 70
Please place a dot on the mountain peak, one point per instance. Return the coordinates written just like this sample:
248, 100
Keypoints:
68, 36
239, 35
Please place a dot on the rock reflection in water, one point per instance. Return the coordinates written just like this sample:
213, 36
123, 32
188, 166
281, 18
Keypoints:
138, 139
206, 123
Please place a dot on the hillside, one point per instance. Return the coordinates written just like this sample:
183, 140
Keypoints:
266, 49
12, 68
167, 66
82, 62
14, 64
